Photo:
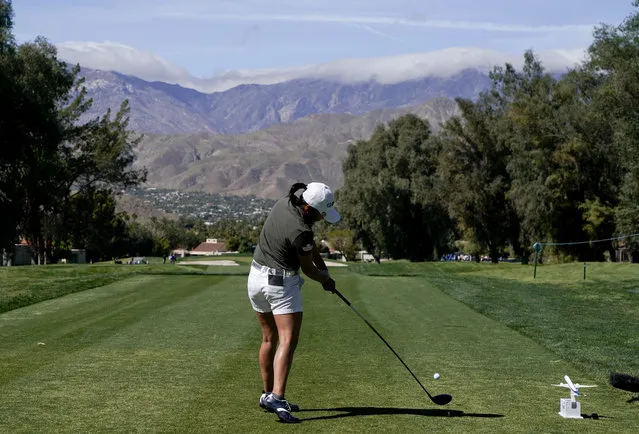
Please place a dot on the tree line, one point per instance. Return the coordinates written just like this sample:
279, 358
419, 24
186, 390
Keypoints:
60, 175
537, 158
57, 174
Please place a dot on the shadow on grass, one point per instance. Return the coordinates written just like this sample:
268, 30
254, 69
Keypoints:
594, 416
390, 274
379, 411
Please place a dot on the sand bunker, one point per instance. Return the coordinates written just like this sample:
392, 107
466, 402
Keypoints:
222, 262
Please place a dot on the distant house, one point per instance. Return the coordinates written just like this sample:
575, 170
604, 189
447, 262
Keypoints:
212, 246
180, 253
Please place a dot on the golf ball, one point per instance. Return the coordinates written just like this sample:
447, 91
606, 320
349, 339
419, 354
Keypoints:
436, 376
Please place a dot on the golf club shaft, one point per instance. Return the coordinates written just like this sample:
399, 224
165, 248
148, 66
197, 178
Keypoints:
348, 303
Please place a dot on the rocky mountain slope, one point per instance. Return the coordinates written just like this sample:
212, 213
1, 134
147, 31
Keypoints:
162, 108
265, 163
259, 139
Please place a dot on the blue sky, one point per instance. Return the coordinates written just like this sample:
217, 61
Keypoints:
218, 43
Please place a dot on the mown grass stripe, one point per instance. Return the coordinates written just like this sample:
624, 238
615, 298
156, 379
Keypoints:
179, 361
151, 355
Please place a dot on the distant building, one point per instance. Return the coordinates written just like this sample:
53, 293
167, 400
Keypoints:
364, 256
180, 253
212, 246
22, 254
78, 256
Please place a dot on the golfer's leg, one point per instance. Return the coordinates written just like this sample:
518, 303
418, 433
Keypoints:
267, 349
288, 329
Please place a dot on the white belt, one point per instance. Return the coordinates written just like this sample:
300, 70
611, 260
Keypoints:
274, 271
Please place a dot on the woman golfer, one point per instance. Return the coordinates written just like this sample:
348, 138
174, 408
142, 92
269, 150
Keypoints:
275, 286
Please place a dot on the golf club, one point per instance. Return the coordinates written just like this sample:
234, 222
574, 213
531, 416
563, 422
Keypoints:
442, 399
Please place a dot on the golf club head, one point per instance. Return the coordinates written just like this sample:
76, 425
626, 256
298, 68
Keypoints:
442, 399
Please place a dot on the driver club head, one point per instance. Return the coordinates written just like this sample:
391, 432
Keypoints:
442, 399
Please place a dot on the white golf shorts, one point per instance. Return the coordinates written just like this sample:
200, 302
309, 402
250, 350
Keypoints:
266, 297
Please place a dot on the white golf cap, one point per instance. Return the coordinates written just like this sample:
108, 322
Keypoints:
320, 197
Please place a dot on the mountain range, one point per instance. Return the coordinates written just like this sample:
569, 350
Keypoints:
259, 139
265, 163
163, 108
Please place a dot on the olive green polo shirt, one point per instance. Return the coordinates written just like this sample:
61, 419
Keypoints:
284, 236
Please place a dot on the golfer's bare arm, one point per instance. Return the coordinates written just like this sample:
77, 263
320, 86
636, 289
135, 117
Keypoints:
310, 269
317, 259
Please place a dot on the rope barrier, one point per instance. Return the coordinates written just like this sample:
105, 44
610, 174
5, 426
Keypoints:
587, 242
538, 247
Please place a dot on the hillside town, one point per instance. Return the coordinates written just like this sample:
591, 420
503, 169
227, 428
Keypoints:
204, 206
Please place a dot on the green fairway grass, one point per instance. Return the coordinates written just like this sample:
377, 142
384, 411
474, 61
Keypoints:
173, 348
22, 286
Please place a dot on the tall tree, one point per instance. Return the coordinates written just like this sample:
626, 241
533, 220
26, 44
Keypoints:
101, 153
7, 40
613, 59
563, 173
139, 239
343, 240
93, 223
474, 181
39, 84
388, 197
598, 163
176, 232
548, 154
10, 106
45, 152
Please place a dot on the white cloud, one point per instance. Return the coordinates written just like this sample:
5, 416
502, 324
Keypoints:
374, 31
122, 58
414, 21
392, 69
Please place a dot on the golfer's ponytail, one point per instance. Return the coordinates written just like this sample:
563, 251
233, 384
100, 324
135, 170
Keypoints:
295, 193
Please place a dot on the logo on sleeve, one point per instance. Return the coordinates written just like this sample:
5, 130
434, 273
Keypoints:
307, 248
